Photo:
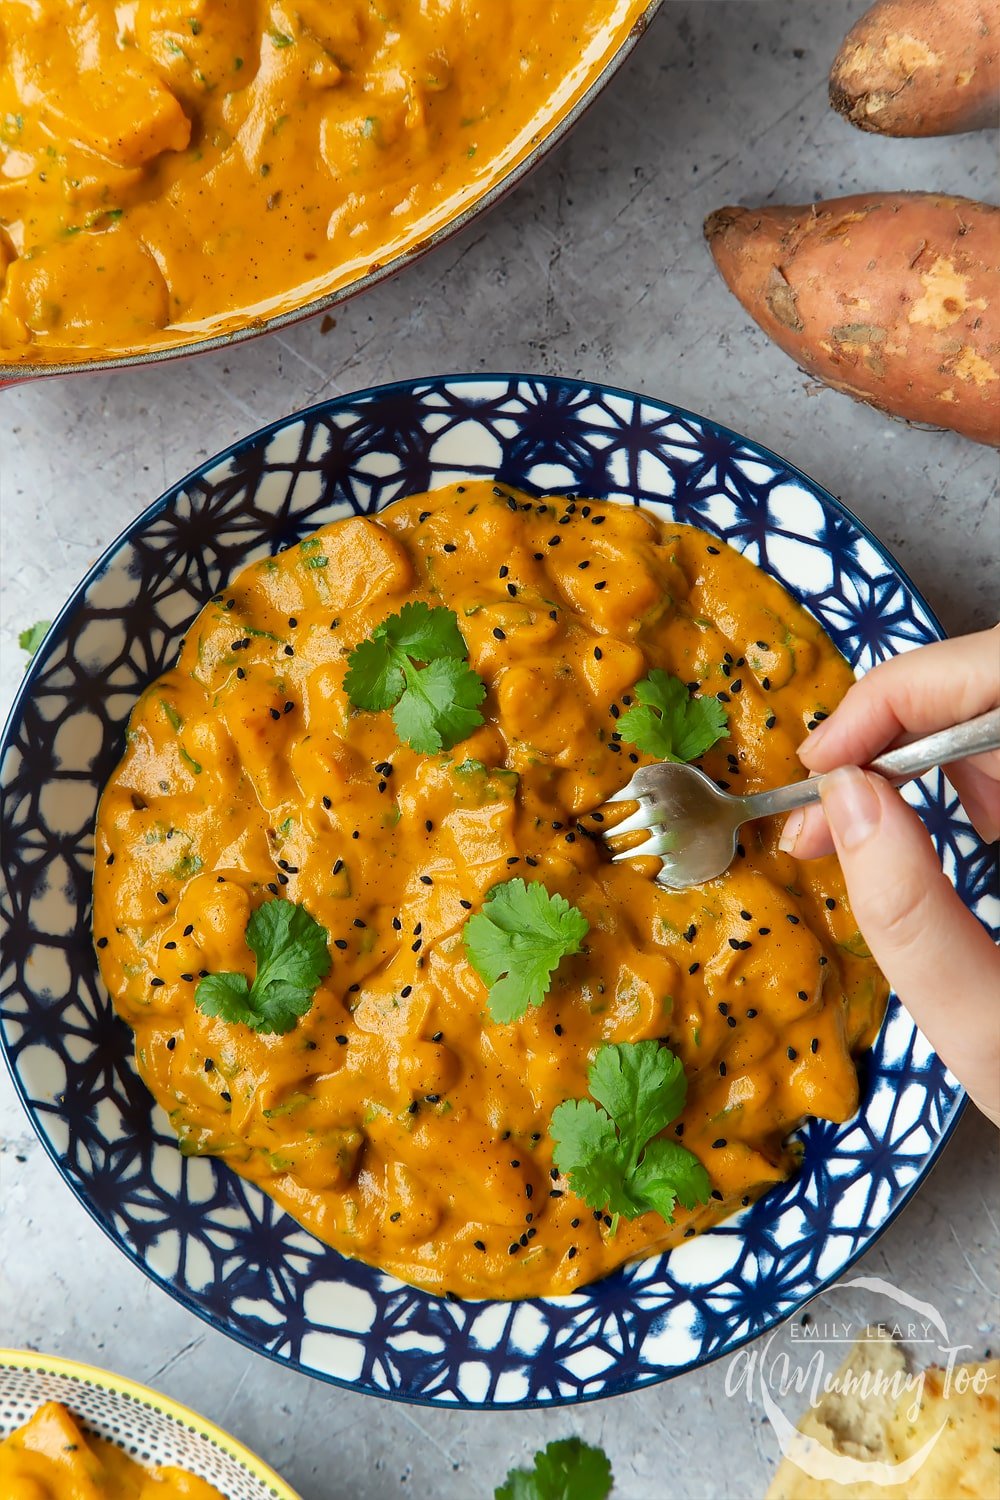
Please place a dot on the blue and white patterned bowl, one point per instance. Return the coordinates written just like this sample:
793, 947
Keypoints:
215, 1242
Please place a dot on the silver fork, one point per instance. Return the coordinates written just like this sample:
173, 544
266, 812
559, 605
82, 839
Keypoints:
693, 826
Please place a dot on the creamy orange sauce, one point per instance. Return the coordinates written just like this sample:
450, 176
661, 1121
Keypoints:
171, 169
52, 1458
397, 1120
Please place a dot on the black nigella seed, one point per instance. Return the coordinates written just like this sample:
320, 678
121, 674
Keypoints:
747, 917
397, 924
802, 995
557, 826
406, 991
426, 880
532, 862
731, 1021
745, 1201
514, 1248
272, 887
691, 933
741, 853
751, 1013
763, 645
679, 1128
722, 1070
512, 590
429, 825
602, 585
814, 1044
498, 634
583, 565
538, 556
170, 946
274, 713
723, 1008
188, 930
341, 1040
770, 721
327, 803
555, 1192
241, 674
737, 686
633, 757
416, 947
230, 603
450, 547
571, 838
289, 650
557, 1029
723, 697
823, 960
716, 1195
726, 668
598, 520
830, 904
338, 865
478, 1244
528, 1190
764, 931
792, 918
411, 1109
340, 943
735, 943
598, 654
516, 1162
382, 785
438, 1036
356, 834
504, 570
615, 711
162, 897
564, 520
465, 905
209, 1065
171, 1043
432, 1098
693, 968
792, 1054
607, 1220
553, 541
714, 551
103, 943
394, 1218
571, 1252
718, 1145
156, 983
188, 978
554, 1173
288, 707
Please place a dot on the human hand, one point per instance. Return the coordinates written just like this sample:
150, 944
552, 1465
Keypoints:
938, 958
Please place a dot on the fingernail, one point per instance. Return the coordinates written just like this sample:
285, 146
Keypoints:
852, 807
792, 829
813, 738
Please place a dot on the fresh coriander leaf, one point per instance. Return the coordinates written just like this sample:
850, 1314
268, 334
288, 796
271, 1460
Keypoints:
566, 1470
588, 1152
374, 679
614, 1156
436, 705
440, 706
643, 1084
228, 996
671, 725
424, 632
292, 958
517, 941
29, 640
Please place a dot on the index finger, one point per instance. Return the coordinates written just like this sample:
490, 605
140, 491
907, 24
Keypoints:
909, 695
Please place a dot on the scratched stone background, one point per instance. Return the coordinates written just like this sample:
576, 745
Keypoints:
594, 267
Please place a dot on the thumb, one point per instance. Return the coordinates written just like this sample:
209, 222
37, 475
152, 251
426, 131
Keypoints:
937, 957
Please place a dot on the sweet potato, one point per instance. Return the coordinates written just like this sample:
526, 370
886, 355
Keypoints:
921, 67
893, 298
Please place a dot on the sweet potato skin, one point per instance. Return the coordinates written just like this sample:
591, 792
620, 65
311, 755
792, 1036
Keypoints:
893, 298
921, 67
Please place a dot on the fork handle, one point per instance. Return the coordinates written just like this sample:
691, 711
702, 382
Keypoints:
974, 737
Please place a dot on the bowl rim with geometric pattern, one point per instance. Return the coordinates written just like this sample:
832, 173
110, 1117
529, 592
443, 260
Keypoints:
151, 1427
214, 1242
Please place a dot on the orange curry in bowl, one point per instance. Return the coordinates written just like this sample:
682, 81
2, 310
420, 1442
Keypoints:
461, 951
173, 169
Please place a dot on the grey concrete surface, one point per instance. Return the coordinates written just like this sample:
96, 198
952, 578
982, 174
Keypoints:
594, 267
